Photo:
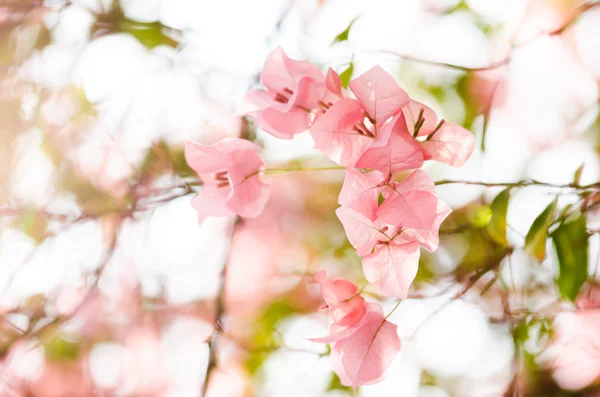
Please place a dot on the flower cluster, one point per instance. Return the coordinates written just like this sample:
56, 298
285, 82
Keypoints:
389, 207
364, 343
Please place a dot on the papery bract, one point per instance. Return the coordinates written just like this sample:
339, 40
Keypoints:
345, 305
451, 144
410, 203
363, 233
393, 267
294, 89
428, 238
393, 149
229, 171
364, 357
336, 133
379, 94
360, 192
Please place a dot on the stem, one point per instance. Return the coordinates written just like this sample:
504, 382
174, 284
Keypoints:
523, 183
301, 169
219, 312
393, 309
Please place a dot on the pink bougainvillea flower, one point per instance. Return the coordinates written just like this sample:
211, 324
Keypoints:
393, 267
446, 142
341, 133
350, 125
345, 306
393, 150
294, 89
572, 354
428, 238
363, 233
451, 144
229, 170
379, 94
364, 357
360, 192
411, 203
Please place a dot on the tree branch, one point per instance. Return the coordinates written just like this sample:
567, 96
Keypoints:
219, 311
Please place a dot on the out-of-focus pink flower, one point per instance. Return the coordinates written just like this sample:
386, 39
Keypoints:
574, 352
364, 357
294, 89
230, 171
144, 371
393, 267
340, 295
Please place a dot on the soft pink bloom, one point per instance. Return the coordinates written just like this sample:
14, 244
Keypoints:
410, 212
411, 203
350, 125
345, 306
451, 144
294, 89
393, 267
363, 233
340, 134
229, 170
445, 141
364, 357
393, 150
574, 352
379, 94
428, 238
360, 192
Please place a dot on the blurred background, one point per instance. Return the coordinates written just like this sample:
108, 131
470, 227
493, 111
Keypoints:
108, 279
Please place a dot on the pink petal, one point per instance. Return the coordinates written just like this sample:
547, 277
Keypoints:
393, 150
451, 145
249, 194
278, 119
334, 85
335, 290
362, 233
280, 72
379, 93
360, 192
368, 352
283, 125
211, 201
393, 267
427, 238
204, 159
411, 203
413, 209
411, 113
334, 136
349, 312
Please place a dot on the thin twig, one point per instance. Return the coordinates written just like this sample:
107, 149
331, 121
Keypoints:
219, 311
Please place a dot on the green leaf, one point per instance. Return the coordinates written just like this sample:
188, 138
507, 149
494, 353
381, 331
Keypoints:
336, 384
577, 175
535, 241
571, 243
346, 75
496, 229
343, 36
